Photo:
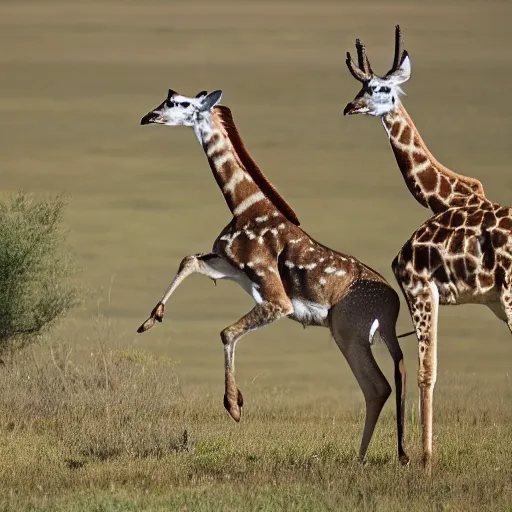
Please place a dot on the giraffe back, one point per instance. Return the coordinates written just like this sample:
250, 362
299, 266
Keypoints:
466, 251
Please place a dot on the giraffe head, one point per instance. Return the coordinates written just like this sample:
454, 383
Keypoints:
177, 110
379, 95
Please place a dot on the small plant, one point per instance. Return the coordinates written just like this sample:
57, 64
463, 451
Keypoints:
35, 269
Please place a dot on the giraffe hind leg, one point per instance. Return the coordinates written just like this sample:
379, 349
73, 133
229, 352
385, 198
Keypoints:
368, 307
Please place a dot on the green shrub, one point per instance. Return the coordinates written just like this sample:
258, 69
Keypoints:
35, 268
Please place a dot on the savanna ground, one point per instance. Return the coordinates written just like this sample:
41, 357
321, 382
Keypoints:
97, 417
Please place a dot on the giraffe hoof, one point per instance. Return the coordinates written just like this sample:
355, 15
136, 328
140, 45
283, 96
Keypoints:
240, 399
146, 325
234, 410
427, 464
404, 460
156, 315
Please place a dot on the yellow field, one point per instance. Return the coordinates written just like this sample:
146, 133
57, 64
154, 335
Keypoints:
76, 79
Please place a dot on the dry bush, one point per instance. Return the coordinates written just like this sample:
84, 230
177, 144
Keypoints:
35, 269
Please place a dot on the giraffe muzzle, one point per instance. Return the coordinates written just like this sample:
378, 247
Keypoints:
352, 108
150, 117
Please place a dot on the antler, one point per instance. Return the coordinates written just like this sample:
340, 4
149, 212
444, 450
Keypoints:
363, 71
400, 54
364, 63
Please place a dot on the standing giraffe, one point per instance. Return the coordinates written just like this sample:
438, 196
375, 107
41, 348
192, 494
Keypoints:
286, 272
461, 255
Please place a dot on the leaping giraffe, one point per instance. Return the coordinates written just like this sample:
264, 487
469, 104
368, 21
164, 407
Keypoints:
286, 272
461, 255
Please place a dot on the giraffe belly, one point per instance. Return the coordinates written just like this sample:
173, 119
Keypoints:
309, 313
457, 292
448, 293
219, 268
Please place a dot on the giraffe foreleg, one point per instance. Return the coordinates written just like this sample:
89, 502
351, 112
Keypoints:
261, 315
193, 264
424, 307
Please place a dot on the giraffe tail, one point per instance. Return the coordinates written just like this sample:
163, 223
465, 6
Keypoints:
405, 334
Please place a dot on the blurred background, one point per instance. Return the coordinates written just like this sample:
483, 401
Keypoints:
77, 76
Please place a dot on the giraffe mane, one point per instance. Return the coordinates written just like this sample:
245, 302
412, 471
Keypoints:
225, 118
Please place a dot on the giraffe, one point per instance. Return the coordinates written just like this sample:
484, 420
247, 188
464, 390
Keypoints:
286, 272
432, 184
461, 255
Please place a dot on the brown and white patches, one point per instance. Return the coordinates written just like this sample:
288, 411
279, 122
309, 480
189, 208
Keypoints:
406, 136
224, 158
445, 187
254, 198
249, 232
424, 311
236, 178
212, 139
239, 178
427, 177
262, 234
229, 238
265, 230
223, 123
433, 185
464, 251
393, 128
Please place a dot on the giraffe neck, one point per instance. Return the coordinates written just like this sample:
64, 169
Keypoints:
245, 188
432, 184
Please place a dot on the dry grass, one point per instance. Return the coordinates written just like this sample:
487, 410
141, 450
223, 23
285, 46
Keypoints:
116, 431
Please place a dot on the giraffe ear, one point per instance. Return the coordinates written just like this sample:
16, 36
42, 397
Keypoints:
210, 101
403, 72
